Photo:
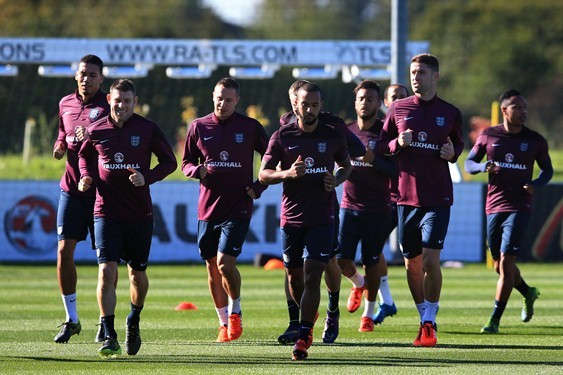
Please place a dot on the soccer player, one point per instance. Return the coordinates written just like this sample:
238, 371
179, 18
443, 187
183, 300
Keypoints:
424, 133
365, 215
219, 151
511, 150
75, 213
123, 143
333, 274
302, 156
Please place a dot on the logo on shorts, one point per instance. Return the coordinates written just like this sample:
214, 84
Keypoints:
224, 156
309, 162
30, 225
509, 158
118, 157
135, 140
239, 137
440, 120
524, 146
422, 136
94, 112
321, 146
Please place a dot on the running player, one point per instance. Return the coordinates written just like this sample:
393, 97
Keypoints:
123, 143
365, 214
424, 132
75, 213
511, 149
219, 151
306, 151
332, 272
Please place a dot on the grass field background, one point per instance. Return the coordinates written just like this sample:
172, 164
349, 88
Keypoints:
183, 341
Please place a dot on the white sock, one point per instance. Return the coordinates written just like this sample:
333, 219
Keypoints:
384, 292
69, 302
358, 280
421, 307
369, 308
234, 306
223, 314
430, 312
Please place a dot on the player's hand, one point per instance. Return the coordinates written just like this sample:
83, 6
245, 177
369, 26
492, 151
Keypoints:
136, 177
491, 167
59, 151
447, 150
405, 138
369, 156
81, 133
251, 193
85, 183
329, 181
203, 171
297, 169
530, 189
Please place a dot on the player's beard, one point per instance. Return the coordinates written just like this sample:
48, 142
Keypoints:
309, 119
368, 115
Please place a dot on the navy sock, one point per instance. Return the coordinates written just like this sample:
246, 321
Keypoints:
523, 288
293, 310
305, 330
109, 329
332, 307
134, 315
499, 310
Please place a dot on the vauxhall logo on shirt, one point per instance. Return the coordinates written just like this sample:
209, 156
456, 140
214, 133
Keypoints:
509, 163
224, 161
119, 159
310, 166
422, 137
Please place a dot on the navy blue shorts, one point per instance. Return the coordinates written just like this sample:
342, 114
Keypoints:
368, 227
75, 217
505, 231
226, 237
314, 243
123, 240
422, 227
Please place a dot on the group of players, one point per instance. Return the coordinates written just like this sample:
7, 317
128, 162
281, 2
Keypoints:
394, 173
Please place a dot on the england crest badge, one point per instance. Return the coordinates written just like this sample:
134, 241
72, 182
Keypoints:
135, 140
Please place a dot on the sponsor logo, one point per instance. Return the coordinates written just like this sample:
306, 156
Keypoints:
440, 241
118, 157
495, 144
524, 146
121, 166
501, 164
239, 137
226, 164
408, 118
207, 138
509, 158
440, 120
309, 162
359, 163
428, 146
325, 254
135, 140
422, 136
292, 147
104, 141
224, 156
94, 113
30, 225
321, 146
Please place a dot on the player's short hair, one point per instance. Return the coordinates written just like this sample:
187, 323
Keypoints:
93, 59
368, 84
395, 85
295, 86
123, 85
229, 83
428, 59
508, 94
310, 87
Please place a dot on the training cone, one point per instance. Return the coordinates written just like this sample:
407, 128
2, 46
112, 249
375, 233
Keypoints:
186, 306
273, 264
